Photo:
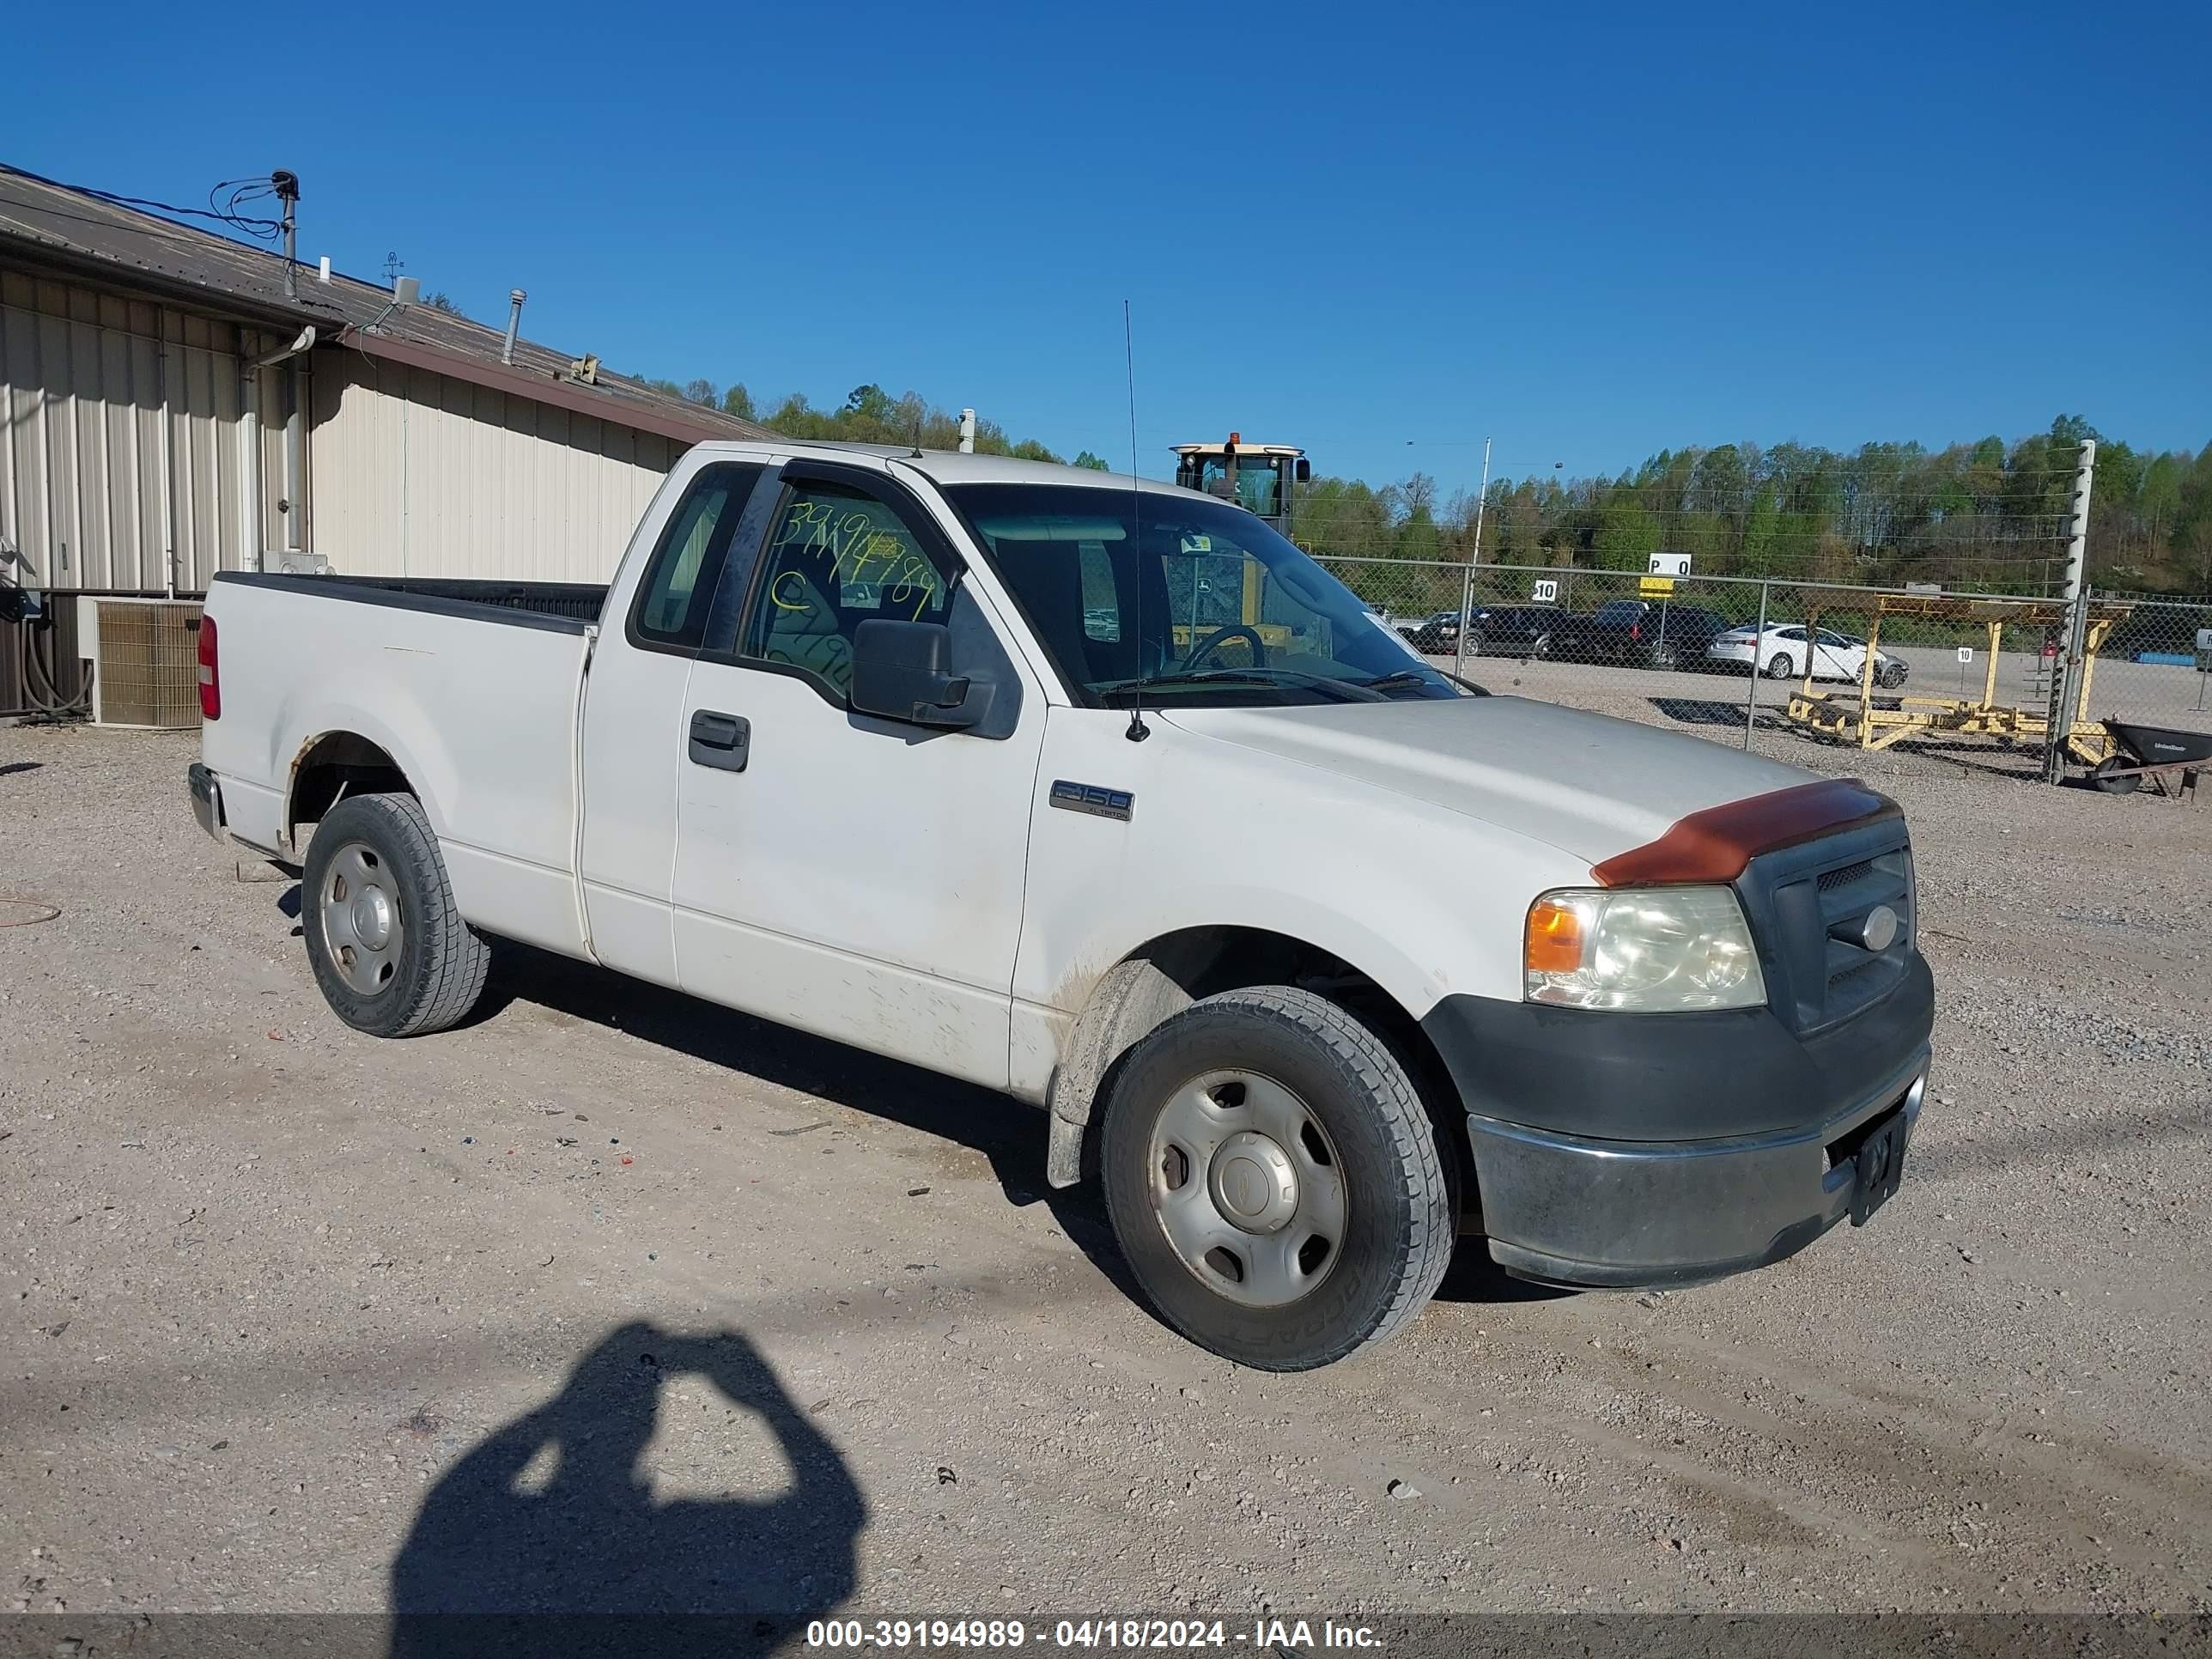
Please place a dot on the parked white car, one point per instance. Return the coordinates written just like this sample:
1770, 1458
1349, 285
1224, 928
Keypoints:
1781, 651
1314, 957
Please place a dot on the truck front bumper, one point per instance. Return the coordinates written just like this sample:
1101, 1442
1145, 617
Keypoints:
207, 799
1626, 1150
1568, 1210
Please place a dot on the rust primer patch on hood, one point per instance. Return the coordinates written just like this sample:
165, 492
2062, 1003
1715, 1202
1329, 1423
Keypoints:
1716, 844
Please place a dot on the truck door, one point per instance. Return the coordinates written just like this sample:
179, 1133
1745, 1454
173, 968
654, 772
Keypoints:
633, 750
854, 877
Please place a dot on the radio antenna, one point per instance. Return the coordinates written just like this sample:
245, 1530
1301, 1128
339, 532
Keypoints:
1138, 730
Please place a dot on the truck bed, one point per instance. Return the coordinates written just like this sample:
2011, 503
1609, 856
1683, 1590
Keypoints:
472, 688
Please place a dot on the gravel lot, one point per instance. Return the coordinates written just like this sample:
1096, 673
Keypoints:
612, 1299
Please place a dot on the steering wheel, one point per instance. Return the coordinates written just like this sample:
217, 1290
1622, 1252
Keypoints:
1206, 646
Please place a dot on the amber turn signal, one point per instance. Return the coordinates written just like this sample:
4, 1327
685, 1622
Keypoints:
1553, 942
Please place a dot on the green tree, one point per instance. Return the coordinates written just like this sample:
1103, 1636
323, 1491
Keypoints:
1627, 535
1086, 459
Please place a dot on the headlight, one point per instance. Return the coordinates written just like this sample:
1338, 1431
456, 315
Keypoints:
1641, 950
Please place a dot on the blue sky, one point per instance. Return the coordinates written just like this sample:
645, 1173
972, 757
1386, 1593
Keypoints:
1590, 233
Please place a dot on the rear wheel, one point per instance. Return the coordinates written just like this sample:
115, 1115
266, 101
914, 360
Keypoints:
1889, 676
2101, 775
1779, 667
1274, 1180
390, 951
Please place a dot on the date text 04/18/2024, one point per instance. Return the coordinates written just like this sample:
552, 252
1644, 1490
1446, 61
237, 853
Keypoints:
1161, 1634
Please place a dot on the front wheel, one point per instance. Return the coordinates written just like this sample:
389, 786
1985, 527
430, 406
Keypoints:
1779, 667
1890, 676
389, 948
1273, 1180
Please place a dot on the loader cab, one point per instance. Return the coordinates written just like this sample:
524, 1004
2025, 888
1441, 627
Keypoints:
1259, 477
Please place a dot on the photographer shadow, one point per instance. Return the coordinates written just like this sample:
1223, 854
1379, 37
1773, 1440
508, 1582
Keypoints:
547, 1536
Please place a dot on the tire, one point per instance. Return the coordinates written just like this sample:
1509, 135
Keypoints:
1541, 650
2101, 775
390, 951
1664, 658
1890, 676
1779, 667
1475, 645
1233, 1059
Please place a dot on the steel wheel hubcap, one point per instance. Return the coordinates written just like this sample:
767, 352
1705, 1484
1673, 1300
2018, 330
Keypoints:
362, 927
1248, 1188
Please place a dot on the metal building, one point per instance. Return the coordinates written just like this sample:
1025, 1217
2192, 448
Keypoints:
173, 403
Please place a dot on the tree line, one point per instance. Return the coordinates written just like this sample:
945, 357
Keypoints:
1990, 515
869, 415
1987, 514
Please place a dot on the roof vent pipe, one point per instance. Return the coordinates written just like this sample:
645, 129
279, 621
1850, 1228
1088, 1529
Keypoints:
514, 299
967, 432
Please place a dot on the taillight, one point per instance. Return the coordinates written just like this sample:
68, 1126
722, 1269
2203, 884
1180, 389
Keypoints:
1635, 630
211, 680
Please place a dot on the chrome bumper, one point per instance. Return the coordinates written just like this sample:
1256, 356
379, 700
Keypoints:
207, 799
1567, 1210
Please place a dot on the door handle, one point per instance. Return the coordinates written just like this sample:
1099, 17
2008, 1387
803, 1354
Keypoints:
720, 740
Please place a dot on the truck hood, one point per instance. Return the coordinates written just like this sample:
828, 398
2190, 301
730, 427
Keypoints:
1589, 785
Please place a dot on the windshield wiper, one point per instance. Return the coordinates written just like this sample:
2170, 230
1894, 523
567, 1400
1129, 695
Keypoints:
1407, 677
1343, 690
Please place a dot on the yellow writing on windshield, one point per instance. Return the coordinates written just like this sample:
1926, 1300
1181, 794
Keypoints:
857, 549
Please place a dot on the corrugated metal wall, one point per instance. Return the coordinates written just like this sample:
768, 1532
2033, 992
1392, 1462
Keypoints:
123, 463
418, 474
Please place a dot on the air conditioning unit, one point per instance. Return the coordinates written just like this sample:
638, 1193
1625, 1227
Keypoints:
294, 562
145, 657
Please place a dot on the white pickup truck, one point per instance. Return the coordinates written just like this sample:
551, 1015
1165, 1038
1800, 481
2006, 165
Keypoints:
1102, 794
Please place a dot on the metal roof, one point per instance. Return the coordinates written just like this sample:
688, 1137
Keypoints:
68, 230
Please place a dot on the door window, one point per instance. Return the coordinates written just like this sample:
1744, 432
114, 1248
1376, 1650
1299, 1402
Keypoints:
678, 586
837, 556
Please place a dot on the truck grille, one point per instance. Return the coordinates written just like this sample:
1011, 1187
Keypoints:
1810, 908
1843, 878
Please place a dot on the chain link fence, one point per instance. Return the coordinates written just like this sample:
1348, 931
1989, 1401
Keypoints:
1775, 665
2154, 662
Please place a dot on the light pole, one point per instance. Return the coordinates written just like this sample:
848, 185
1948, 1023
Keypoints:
1467, 579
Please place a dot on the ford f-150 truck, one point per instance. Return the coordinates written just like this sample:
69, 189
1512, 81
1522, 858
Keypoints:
1315, 957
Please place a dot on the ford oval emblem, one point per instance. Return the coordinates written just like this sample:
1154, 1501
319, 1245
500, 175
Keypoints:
1879, 931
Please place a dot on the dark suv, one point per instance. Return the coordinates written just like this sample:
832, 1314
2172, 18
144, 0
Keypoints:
1512, 630
1652, 633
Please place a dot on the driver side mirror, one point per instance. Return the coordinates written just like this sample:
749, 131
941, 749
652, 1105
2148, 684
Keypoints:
1304, 470
901, 671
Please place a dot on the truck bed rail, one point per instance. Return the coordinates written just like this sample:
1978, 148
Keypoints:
564, 607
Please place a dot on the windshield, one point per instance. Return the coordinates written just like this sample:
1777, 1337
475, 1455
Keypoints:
1232, 614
